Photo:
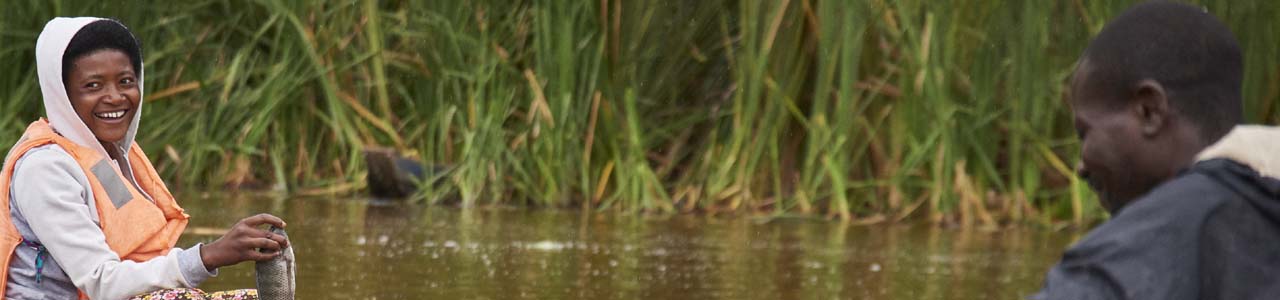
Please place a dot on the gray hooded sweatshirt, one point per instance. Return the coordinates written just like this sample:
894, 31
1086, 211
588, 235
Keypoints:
52, 205
1212, 232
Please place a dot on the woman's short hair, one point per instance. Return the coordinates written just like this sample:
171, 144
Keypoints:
102, 35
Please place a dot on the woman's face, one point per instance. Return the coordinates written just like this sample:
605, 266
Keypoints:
103, 88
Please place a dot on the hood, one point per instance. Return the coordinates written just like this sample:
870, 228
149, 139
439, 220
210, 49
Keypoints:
1257, 147
50, 46
1246, 161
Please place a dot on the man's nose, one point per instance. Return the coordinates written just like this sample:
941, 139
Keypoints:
1081, 170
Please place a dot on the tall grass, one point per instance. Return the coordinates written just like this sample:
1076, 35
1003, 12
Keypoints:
868, 111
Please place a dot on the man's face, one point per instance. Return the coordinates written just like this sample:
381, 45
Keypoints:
104, 92
1117, 160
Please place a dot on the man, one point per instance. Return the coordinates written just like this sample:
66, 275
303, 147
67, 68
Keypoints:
1194, 198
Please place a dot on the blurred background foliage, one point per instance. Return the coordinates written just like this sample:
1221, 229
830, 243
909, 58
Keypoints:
866, 110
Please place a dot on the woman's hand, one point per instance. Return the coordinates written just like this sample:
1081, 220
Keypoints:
241, 243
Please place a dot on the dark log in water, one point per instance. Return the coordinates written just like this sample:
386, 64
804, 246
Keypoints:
394, 176
391, 175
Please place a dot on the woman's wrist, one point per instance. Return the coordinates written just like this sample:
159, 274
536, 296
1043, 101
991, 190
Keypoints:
209, 254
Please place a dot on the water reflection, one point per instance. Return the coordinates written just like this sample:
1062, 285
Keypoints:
350, 249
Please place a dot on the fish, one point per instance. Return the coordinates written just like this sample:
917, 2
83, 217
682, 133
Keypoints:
276, 277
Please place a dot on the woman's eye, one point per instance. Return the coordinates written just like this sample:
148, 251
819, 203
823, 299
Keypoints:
93, 85
126, 81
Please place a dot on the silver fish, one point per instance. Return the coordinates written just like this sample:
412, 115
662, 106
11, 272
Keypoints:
276, 276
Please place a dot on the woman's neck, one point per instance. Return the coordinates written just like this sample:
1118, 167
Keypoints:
112, 150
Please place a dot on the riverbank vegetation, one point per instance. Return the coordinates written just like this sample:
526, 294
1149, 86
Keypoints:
866, 111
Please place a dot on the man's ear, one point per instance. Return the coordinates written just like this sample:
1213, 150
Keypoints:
1151, 105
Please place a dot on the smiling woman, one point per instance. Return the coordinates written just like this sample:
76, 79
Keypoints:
103, 90
87, 213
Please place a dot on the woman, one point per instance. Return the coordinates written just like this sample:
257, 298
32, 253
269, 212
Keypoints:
88, 216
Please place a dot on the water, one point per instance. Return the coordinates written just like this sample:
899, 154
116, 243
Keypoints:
350, 249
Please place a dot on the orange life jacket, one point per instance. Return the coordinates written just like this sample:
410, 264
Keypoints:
135, 229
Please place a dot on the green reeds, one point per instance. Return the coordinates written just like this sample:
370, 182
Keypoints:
866, 111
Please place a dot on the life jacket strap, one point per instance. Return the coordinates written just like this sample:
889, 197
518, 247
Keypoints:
41, 251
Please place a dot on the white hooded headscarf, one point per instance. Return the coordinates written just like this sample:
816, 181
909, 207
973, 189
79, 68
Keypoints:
50, 47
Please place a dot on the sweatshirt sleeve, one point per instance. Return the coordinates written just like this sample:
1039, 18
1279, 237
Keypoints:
48, 189
1149, 250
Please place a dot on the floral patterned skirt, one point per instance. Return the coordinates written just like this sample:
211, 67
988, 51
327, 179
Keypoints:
197, 294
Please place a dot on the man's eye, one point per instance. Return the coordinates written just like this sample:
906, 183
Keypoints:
1081, 129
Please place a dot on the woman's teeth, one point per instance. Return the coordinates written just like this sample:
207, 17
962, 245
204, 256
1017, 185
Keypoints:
111, 115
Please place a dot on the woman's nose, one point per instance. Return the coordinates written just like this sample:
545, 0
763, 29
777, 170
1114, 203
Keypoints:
116, 95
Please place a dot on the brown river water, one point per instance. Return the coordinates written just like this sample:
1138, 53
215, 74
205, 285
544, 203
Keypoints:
355, 249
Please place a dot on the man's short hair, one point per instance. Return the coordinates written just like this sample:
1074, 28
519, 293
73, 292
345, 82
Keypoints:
1184, 48
101, 35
